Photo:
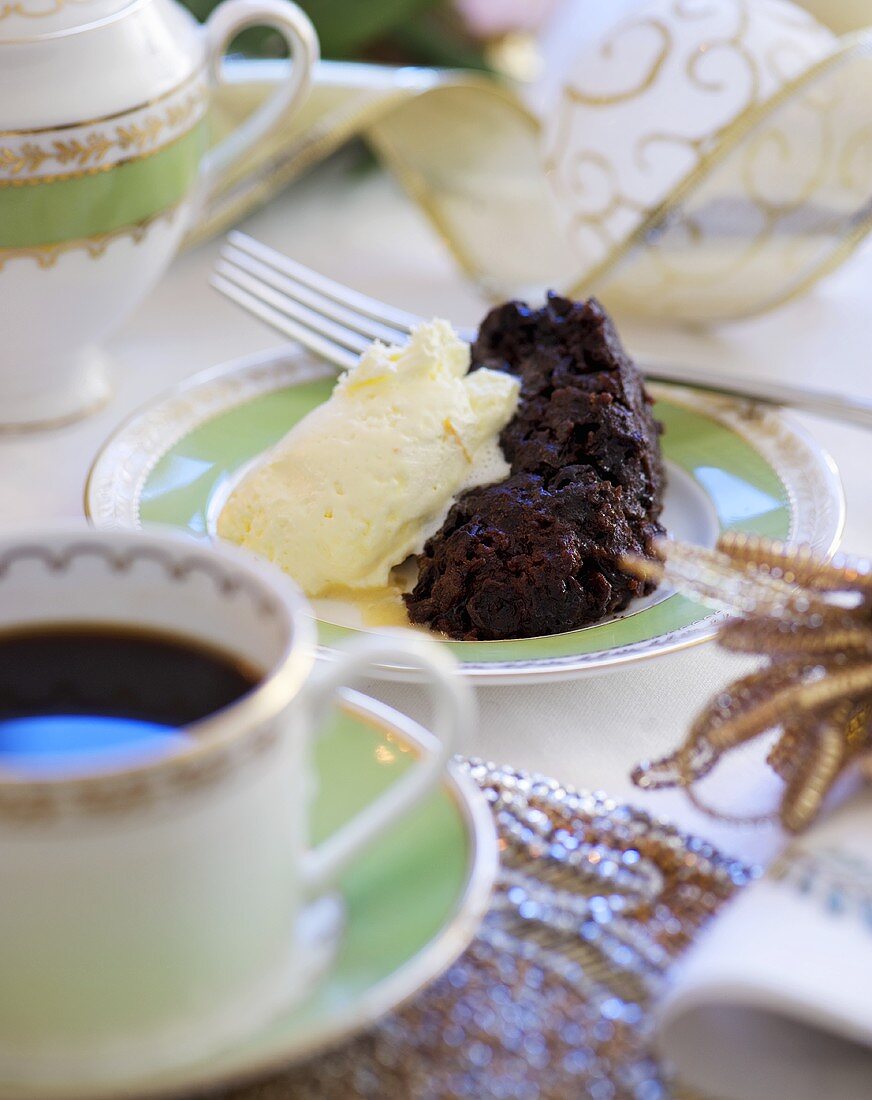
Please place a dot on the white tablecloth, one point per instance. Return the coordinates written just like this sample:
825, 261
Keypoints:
360, 229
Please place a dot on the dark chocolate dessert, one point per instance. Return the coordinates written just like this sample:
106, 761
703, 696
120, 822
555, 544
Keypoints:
540, 553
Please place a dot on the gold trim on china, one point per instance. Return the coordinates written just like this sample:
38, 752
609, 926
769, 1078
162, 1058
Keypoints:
859, 45
96, 170
75, 151
47, 255
198, 74
16, 7
62, 421
77, 28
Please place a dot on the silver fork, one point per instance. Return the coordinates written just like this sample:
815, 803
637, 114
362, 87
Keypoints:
338, 323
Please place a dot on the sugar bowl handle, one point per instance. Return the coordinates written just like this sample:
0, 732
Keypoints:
222, 26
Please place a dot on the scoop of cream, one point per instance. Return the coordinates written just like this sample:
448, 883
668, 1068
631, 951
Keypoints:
362, 481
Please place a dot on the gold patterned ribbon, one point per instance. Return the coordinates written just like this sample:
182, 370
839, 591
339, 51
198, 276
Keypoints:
782, 199
461, 144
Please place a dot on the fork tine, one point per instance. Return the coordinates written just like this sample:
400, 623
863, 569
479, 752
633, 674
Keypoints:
284, 284
320, 345
305, 317
328, 288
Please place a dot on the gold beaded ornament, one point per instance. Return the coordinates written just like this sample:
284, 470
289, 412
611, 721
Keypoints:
811, 620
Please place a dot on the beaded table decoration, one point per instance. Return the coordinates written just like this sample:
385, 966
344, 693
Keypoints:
810, 619
594, 901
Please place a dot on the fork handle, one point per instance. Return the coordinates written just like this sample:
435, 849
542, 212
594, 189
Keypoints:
833, 406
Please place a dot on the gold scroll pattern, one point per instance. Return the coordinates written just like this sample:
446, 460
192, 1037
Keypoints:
784, 198
693, 56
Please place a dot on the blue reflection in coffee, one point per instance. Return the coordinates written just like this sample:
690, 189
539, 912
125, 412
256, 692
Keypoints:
75, 744
84, 699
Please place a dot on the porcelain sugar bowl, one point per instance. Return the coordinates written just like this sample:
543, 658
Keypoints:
104, 163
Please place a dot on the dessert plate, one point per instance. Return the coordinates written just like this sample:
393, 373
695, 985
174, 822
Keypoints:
412, 905
731, 466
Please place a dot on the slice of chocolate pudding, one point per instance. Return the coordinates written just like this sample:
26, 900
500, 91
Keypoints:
540, 552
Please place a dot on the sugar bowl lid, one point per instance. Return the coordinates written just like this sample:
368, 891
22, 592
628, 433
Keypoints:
21, 20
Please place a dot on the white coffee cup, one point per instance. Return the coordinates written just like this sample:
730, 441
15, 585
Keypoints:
150, 915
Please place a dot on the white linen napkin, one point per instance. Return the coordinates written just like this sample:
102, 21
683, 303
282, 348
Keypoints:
775, 1001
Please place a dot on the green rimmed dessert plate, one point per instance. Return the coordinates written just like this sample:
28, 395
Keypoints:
731, 466
410, 906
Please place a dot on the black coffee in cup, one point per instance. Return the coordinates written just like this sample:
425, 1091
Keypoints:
82, 698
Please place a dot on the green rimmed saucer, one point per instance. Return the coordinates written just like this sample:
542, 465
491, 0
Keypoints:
731, 467
411, 905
